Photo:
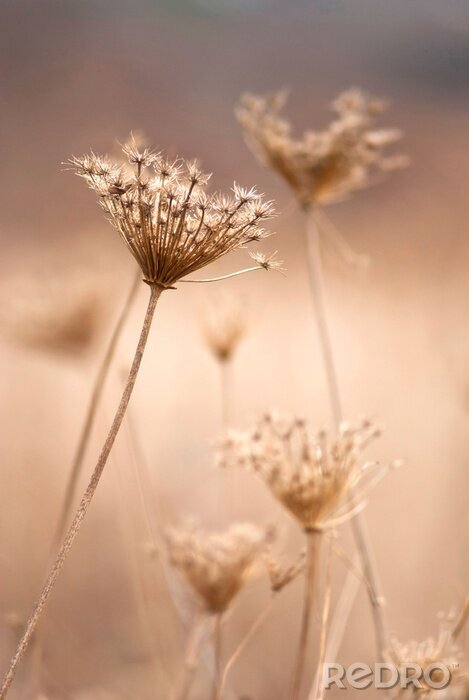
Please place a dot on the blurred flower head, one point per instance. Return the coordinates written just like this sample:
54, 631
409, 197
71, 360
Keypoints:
441, 650
59, 314
217, 565
164, 214
320, 479
323, 166
224, 323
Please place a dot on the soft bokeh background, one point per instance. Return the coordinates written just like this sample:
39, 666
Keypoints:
83, 74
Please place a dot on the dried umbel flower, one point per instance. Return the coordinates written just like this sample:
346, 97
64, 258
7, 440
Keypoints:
441, 650
320, 479
171, 225
224, 324
323, 166
57, 315
217, 565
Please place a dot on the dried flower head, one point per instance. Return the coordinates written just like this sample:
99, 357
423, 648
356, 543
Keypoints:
323, 166
217, 565
224, 323
320, 479
268, 262
55, 314
280, 575
440, 650
171, 225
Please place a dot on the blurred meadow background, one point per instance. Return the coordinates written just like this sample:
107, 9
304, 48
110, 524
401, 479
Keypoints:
82, 74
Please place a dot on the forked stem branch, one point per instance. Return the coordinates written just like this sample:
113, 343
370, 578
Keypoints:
87, 497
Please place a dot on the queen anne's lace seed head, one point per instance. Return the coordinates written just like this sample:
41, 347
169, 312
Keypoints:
217, 565
320, 479
322, 166
440, 650
171, 225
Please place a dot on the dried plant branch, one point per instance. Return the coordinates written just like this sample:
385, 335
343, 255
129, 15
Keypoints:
155, 292
313, 549
94, 401
317, 692
358, 522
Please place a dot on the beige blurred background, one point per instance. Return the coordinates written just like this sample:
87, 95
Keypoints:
80, 75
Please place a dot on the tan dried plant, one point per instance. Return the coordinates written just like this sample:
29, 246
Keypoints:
216, 566
325, 166
172, 227
441, 651
320, 479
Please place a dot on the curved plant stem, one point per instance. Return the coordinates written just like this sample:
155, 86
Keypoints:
217, 656
242, 645
95, 398
358, 522
87, 497
313, 544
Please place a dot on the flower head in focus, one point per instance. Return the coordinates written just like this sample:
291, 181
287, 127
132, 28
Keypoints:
217, 565
323, 166
320, 479
167, 219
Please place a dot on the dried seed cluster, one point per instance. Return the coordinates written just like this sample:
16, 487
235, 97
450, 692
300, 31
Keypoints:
217, 565
323, 166
320, 479
171, 225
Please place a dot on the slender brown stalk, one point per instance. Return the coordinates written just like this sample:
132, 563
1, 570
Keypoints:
318, 690
217, 656
226, 380
358, 522
93, 404
87, 497
313, 540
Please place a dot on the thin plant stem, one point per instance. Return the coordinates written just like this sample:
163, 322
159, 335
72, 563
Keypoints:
224, 277
313, 540
358, 522
191, 657
100, 380
217, 655
318, 689
243, 644
87, 497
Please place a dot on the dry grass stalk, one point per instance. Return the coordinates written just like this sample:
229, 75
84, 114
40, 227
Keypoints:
320, 480
172, 228
322, 166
